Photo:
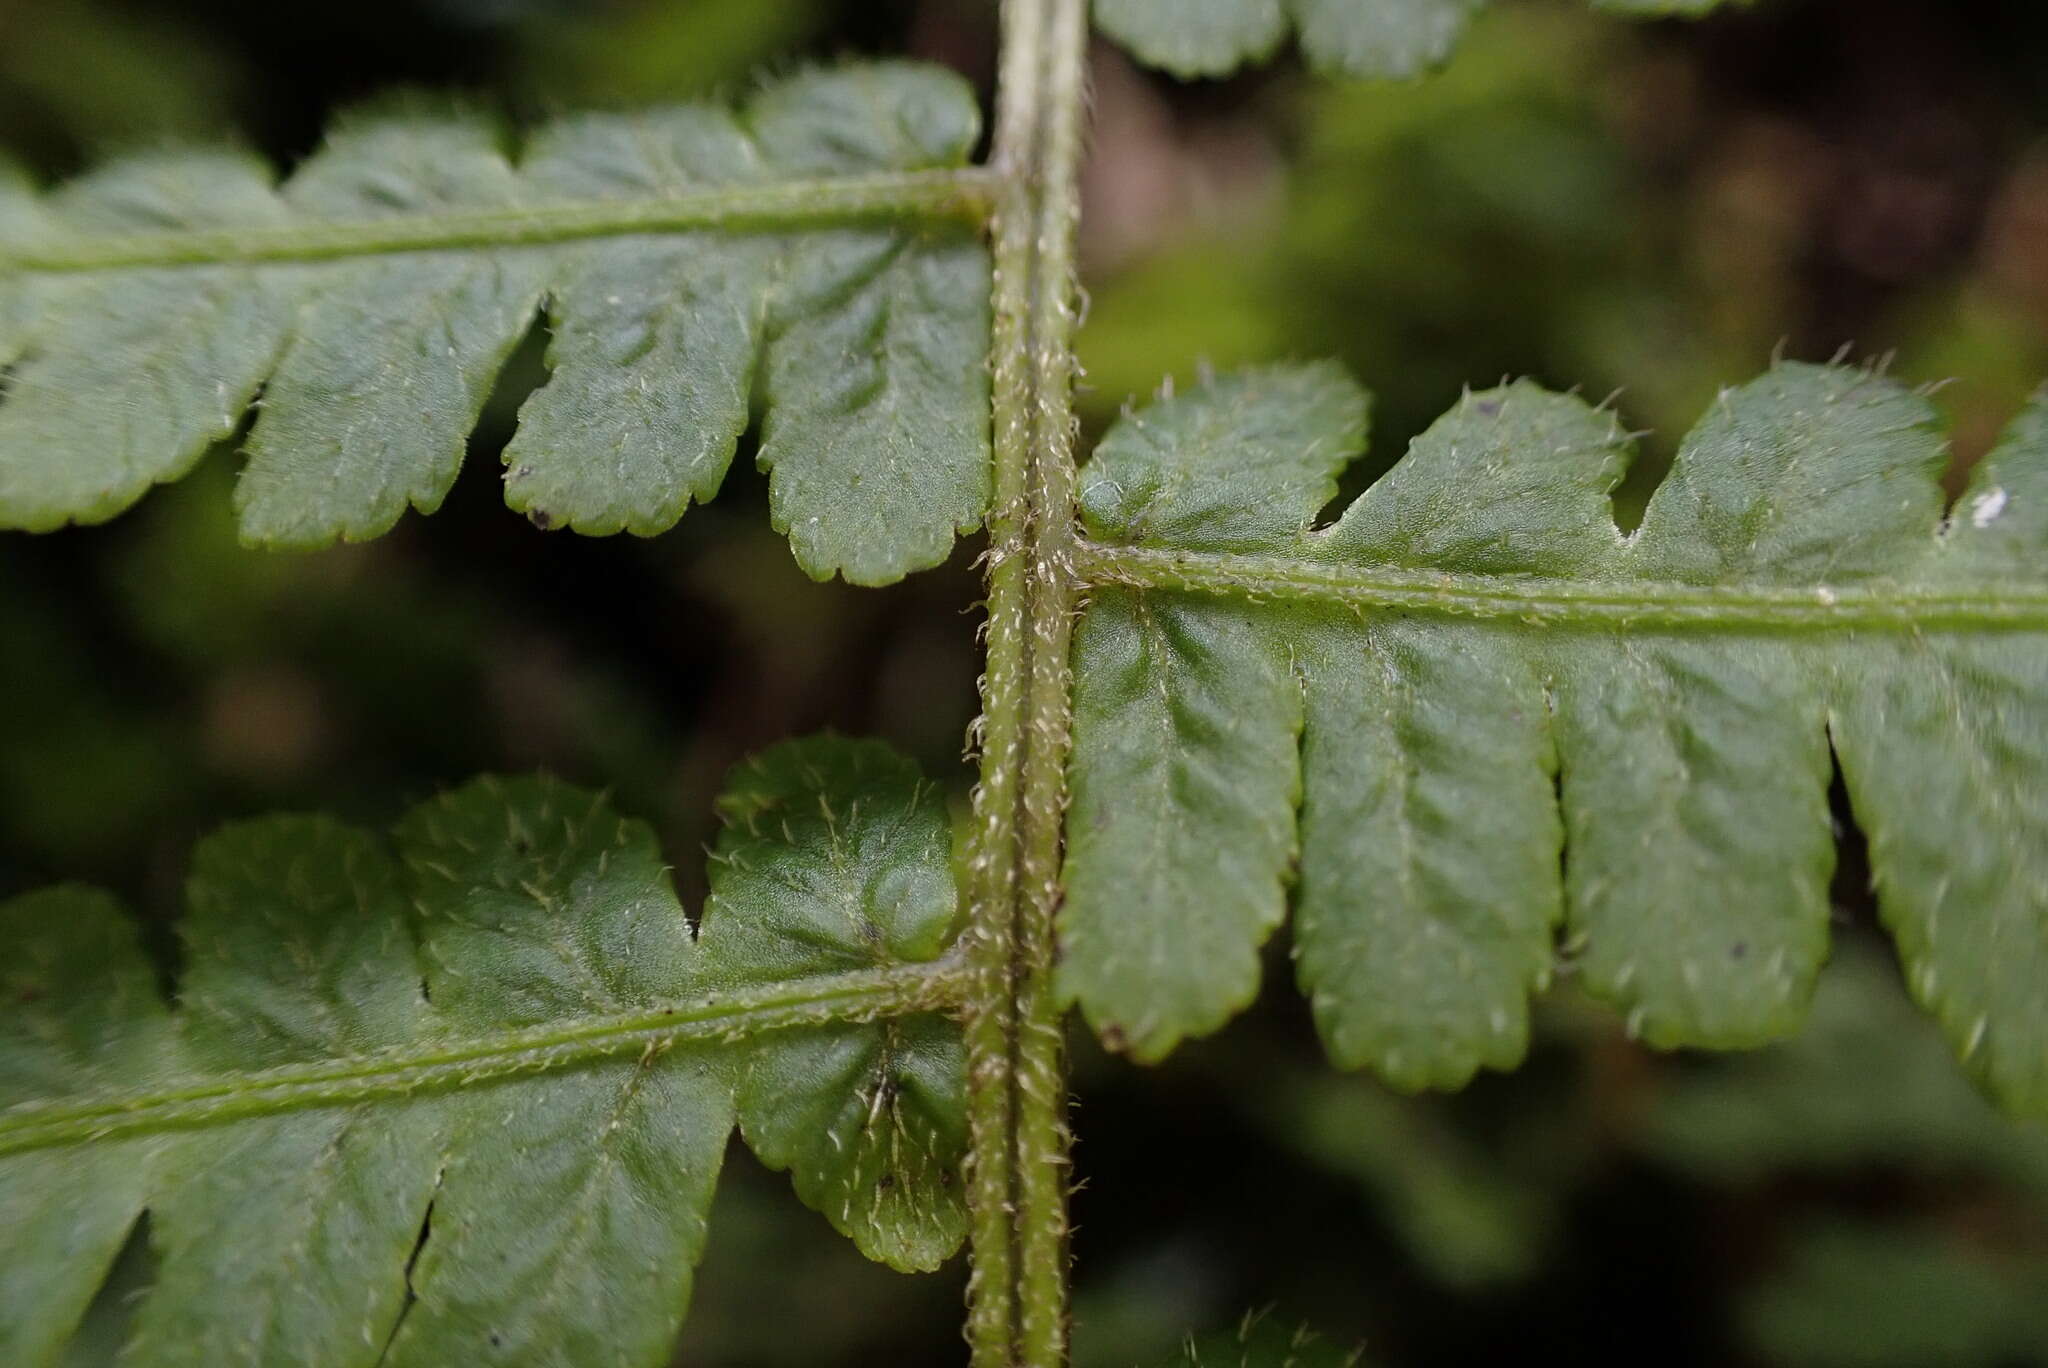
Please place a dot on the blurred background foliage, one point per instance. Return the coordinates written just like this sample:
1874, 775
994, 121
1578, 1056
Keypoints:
1647, 211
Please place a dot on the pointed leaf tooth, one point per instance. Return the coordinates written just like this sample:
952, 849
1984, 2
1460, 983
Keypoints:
1244, 461
1514, 480
132, 374
1811, 474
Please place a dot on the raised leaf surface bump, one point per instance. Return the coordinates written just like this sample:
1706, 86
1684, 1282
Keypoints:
835, 860
462, 1095
1508, 732
810, 245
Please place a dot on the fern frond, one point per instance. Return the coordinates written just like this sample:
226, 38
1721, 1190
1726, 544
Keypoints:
822, 238
496, 1029
1395, 39
1471, 712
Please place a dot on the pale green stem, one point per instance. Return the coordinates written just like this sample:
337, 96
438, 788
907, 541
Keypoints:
992, 932
962, 194
1562, 603
860, 995
1043, 1139
1017, 1084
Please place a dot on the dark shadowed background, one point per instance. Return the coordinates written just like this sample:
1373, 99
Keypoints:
1652, 210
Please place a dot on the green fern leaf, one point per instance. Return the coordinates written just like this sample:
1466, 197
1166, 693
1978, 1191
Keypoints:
850, 848
1395, 39
1471, 712
462, 1097
815, 238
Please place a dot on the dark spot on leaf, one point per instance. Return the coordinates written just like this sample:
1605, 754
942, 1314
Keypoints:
1489, 407
1738, 950
1113, 1038
497, 1340
541, 518
888, 1181
29, 993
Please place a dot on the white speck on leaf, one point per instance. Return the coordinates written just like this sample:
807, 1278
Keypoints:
1986, 507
